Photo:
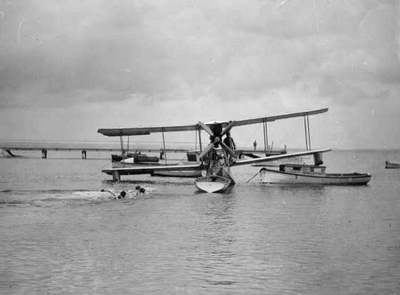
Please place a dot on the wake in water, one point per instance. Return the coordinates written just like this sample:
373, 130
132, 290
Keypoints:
139, 190
53, 197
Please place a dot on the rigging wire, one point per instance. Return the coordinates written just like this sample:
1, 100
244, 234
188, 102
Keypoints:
103, 165
249, 142
253, 176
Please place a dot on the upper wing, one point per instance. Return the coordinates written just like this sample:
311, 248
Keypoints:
148, 130
149, 169
278, 157
144, 130
279, 117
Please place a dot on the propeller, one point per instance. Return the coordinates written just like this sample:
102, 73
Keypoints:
206, 150
206, 128
228, 128
228, 149
216, 137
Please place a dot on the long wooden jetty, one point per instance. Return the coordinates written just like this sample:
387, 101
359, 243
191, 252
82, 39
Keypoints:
10, 148
84, 148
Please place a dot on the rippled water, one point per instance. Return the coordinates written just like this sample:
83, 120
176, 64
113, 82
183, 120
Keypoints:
60, 234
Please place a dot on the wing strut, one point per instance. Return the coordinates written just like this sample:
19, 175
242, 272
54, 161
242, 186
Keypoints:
266, 148
307, 132
122, 145
200, 145
164, 151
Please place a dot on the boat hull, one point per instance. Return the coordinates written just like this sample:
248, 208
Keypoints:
270, 176
213, 184
135, 159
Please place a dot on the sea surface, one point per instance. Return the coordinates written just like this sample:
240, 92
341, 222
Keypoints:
59, 234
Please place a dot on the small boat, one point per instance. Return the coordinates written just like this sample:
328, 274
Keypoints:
310, 174
135, 158
192, 157
140, 160
213, 183
392, 165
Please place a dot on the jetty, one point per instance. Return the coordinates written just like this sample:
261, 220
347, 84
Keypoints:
10, 148
44, 147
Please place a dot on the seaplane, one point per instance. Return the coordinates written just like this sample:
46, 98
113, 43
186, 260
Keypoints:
217, 158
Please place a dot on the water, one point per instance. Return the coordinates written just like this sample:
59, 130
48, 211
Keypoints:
60, 234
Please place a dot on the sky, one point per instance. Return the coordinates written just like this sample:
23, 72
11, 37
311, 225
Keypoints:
68, 68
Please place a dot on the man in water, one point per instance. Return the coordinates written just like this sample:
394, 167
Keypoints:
140, 190
122, 194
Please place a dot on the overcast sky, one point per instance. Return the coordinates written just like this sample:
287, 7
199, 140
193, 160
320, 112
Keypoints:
68, 68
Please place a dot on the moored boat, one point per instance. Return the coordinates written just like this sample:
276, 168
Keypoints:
192, 157
392, 165
310, 174
135, 158
140, 160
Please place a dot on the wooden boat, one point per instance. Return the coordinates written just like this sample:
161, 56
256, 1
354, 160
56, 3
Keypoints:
213, 183
140, 160
135, 158
192, 157
392, 165
310, 174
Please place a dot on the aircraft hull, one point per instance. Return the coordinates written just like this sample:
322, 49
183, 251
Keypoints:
213, 184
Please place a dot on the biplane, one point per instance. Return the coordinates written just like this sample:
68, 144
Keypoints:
215, 159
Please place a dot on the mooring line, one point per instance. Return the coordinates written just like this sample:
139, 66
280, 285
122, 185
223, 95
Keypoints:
253, 176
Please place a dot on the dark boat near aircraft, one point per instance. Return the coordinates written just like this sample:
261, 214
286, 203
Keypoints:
392, 165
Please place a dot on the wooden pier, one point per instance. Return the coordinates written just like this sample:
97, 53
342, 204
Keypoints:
44, 148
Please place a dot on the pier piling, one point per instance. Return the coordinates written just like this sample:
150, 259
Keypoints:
116, 176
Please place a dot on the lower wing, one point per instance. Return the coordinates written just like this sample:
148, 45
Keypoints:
279, 157
148, 169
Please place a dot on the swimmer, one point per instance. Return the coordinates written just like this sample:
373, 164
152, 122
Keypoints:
140, 190
108, 191
122, 195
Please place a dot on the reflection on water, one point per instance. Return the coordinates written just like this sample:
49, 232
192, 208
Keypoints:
215, 243
257, 239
